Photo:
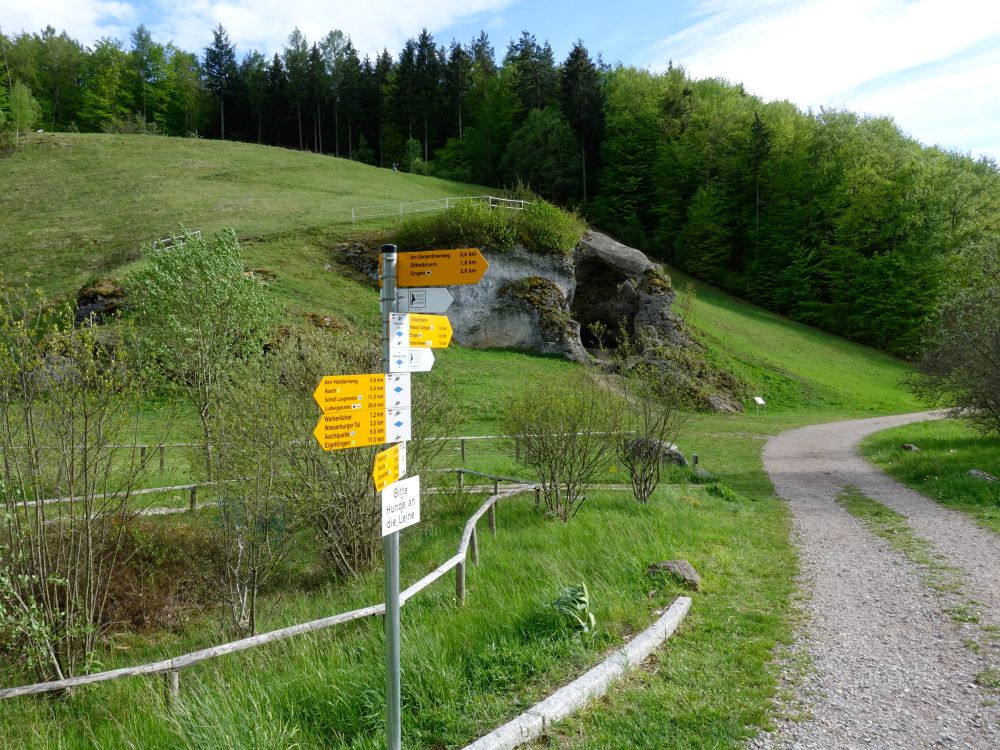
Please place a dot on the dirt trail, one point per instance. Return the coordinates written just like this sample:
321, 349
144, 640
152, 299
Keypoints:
890, 668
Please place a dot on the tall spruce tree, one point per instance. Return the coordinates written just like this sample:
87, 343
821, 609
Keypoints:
582, 102
220, 71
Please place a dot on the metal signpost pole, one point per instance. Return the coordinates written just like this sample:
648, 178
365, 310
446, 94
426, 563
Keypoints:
391, 541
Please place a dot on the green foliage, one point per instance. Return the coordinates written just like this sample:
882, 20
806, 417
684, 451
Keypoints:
202, 314
541, 228
960, 364
543, 154
573, 603
723, 492
548, 230
566, 433
25, 110
940, 469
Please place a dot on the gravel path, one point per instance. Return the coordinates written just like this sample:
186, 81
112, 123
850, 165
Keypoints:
889, 667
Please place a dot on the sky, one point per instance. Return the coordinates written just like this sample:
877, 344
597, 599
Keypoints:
931, 65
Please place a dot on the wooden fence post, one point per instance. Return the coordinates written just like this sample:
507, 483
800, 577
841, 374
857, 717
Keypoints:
163, 450
461, 479
474, 543
538, 496
194, 497
460, 582
142, 453
172, 682
462, 443
496, 487
493, 519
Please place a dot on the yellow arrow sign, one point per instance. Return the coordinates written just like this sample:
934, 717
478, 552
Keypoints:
387, 467
339, 430
347, 393
440, 267
430, 330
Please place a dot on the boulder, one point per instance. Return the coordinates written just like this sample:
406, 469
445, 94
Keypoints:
985, 476
98, 301
648, 447
681, 570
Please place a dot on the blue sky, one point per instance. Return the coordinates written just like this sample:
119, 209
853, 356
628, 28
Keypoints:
933, 65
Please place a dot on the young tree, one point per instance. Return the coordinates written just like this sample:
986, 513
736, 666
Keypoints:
69, 411
105, 93
566, 431
220, 71
251, 432
960, 364
24, 109
202, 315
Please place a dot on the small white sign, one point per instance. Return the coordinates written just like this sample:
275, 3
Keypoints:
402, 459
397, 425
759, 401
400, 505
399, 333
421, 360
429, 300
397, 391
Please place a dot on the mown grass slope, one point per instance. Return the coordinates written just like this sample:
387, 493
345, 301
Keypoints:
74, 206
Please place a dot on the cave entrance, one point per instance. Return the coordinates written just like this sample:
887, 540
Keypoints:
602, 296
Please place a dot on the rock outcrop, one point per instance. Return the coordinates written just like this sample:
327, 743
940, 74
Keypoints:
549, 303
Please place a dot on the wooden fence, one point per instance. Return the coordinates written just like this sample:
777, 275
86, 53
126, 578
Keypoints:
171, 668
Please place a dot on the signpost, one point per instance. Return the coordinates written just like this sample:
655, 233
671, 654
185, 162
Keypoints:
430, 330
390, 465
440, 268
431, 300
400, 505
374, 409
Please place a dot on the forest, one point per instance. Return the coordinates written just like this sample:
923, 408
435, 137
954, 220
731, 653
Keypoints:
833, 218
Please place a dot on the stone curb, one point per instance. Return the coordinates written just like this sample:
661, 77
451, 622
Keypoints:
592, 684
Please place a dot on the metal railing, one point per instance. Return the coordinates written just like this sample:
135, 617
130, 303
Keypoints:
361, 213
171, 667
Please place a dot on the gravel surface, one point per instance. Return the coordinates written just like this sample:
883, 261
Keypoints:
889, 669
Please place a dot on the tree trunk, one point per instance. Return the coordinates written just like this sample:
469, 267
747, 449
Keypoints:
336, 127
222, 114
583, 162
298, 114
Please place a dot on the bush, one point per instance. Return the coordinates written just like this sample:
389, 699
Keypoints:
566, 432
541, 228
547, 230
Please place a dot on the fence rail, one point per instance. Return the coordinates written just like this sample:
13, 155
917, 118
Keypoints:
361, 213
170, 668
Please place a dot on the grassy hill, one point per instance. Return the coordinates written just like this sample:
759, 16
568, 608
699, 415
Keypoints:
79, 206
74, 206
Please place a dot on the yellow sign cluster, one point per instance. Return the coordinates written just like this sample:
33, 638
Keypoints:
430, 330
388, 467
440, 267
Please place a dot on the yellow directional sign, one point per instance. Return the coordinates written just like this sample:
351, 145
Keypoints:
339, 430
430, 330
348, 393
440, 267
387, 467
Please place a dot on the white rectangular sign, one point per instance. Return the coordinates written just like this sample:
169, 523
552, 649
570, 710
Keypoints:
397, 425
400, 505
429, 300
421, 360
399, 333
397, 391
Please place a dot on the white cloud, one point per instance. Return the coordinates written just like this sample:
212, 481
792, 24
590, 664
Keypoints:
266, 24
252, 24
84, 20
847, 53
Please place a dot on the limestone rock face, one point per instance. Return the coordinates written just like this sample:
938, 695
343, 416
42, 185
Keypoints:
516, 303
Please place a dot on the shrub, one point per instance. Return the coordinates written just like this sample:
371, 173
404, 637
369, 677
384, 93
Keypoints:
541, 228
566, 432
573, 603
548, 230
